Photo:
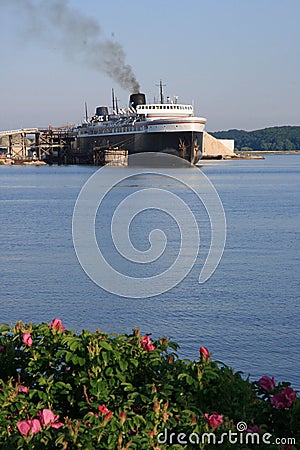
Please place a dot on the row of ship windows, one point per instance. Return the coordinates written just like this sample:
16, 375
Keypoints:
182, 107
115, 130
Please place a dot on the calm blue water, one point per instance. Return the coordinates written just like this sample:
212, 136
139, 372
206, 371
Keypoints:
247, 314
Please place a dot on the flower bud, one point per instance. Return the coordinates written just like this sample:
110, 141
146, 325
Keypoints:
156, 406
123, 417
204, 353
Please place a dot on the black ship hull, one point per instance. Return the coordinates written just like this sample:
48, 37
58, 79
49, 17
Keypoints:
185, 144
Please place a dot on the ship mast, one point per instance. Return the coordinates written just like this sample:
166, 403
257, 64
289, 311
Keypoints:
113, 98
161, 95
86, 111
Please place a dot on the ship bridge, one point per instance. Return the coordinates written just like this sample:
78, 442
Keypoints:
164, 110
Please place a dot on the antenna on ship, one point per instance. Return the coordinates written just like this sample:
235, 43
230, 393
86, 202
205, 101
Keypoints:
161, 91
86, 111
113, 98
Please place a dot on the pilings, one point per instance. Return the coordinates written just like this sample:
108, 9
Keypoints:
54, 145
111, 156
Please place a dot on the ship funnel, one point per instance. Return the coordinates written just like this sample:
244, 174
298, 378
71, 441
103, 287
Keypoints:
101, 111
137, 99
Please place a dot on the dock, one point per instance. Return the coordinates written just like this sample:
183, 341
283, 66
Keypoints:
52, 145
34, 144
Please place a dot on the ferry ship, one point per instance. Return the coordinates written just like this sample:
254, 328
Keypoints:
165, 126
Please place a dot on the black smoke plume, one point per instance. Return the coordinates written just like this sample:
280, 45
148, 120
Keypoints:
57, 24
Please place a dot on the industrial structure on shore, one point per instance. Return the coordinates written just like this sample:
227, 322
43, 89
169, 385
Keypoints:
51, 145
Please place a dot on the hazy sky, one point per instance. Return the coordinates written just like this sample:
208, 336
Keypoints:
238, 61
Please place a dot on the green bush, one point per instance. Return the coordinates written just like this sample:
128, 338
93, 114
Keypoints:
62, 390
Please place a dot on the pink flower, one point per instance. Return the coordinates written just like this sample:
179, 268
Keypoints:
108, 415
56, 324
27, 339
24, 427
47, 417
29, 426
23, 389
283, 399
147, 344
2, 348
104, 410
35, 426
56, 425
266, 383
204, 353
214, 420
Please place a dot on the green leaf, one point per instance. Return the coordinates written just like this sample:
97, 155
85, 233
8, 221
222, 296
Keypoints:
68, 356
105, 345
75, 344
81, 361
123, 364
134, 362
42, 396
4, 328
190, 380
182, 375
105, 357
74, 359
127, 387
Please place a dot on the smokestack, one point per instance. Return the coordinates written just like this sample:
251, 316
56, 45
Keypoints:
137, 99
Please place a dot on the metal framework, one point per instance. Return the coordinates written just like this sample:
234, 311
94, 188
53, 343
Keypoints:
51, 144
56, 145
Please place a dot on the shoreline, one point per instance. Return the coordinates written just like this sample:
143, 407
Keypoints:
268, 152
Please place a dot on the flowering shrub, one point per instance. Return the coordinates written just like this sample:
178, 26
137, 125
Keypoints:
62, 390
266, 383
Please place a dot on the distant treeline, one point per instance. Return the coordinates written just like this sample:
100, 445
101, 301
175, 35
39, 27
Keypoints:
273, 138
